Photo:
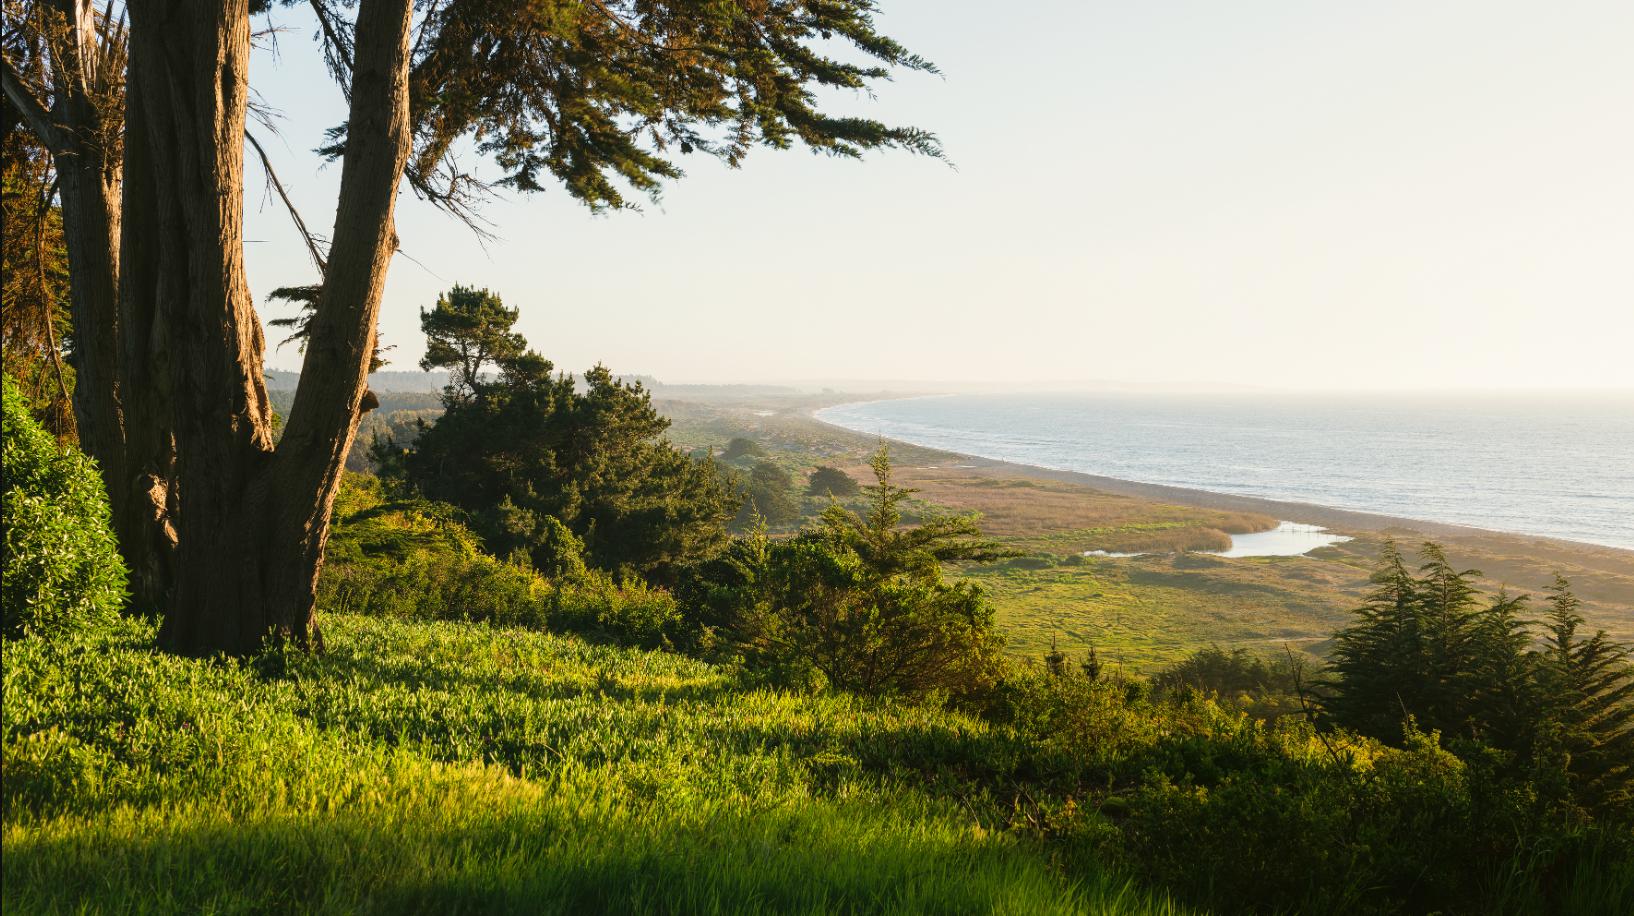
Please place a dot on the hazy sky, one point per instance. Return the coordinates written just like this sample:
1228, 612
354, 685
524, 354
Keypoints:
1295, 194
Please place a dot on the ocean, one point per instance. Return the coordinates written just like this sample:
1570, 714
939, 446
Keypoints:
1555, 465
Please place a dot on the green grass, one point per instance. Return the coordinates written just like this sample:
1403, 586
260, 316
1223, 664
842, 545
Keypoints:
445, 767
1144, 613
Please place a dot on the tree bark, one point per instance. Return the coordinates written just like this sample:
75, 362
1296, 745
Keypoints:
223, 533
82, 129
250, 522
333, 390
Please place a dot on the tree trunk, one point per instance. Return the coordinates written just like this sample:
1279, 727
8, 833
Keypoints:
250, 523
82, 131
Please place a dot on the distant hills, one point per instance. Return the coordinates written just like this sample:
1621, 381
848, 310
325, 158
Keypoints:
433, 382
284, 380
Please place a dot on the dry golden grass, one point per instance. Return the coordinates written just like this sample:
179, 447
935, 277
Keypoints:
1066, 518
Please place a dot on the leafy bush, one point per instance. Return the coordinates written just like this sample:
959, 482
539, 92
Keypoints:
632, 613
831, 481
62, 567
858, 602
740, 447
1247, 816
416, 559
769, 493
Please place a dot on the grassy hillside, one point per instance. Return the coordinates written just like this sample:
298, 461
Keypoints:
442, 768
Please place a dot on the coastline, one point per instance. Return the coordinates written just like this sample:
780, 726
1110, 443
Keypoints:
1343, 521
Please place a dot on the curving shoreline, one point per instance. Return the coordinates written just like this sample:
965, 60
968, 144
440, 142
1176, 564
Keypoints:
1345, 521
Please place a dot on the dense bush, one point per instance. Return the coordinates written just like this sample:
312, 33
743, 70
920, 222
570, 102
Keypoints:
1242, 815
62, 567
857, 602
831, 481
1428, 648
631, 613
769, 494
526, 451
416, 559
739, 448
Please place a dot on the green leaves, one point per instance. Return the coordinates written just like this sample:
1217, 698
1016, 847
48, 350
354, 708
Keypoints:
857, 600
63, 573
527, 452
597, 96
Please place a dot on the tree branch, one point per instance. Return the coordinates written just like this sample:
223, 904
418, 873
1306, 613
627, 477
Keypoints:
34, 111
318, 259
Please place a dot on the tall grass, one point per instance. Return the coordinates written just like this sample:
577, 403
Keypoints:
448, 768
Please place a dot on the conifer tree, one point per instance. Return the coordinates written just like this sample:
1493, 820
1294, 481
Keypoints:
1587, 685
526, 451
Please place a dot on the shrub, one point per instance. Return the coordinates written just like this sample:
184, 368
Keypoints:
830, 481
416, 559
62, 567
858, 599
632, 613
740, 447
769, 493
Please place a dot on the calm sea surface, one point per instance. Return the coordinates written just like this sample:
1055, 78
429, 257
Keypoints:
1561, 466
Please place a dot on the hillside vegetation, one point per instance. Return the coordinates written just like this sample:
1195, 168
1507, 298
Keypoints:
817, 722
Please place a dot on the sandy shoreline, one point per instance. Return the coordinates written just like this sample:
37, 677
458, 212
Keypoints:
1343, 521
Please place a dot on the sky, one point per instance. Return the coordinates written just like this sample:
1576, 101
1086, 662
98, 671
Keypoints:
1390, 195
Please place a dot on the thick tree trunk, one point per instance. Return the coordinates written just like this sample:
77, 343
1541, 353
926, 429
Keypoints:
82, 130
250, 524
341, 344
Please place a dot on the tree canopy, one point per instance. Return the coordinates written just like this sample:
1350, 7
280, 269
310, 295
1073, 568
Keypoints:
542, 460
223, 523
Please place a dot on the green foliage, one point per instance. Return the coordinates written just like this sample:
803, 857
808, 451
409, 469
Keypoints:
1263, 687
1241, 815
770, 494
1425, 650
858, 602
440, 767
631, 613
739, 448
415, 559
467, 331
448, 767
34, 307
1587, 687
831, 482
526, 453
63, 573
600, 96
1424, 647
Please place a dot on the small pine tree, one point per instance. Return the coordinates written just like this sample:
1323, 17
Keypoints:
1423, 647
1055, 661
1587, 685
1091, 665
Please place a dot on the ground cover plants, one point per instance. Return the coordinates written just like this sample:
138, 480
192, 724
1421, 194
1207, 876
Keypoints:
446, 751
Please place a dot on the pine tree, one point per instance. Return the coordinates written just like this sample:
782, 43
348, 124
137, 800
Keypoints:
1422, 647
523, 448
1587, 685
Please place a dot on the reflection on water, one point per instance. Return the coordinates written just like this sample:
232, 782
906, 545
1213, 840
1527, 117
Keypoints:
1288, 539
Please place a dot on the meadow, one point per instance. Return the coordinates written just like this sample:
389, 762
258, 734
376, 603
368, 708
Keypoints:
456, 768
476, 737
